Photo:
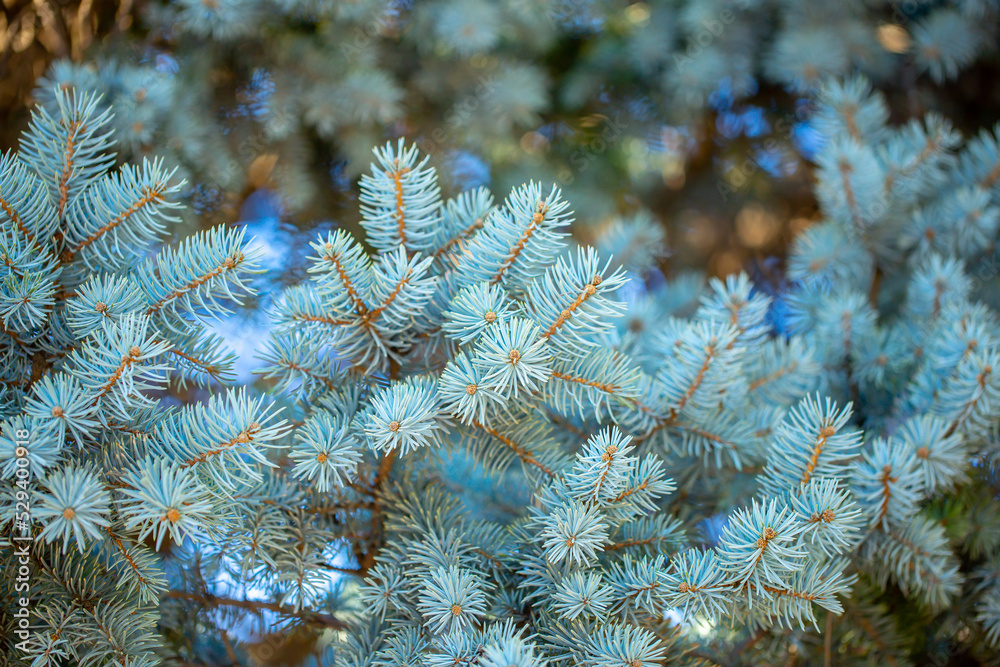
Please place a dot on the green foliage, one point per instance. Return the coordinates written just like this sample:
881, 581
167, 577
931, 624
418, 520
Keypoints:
504, 449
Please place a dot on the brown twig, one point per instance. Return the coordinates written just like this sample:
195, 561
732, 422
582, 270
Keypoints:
828, 641
209, 600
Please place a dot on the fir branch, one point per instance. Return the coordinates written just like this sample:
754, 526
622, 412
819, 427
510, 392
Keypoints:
229, 264
522, 453
605, 387
71, 128
352, 291
306, 616
817, 449
537, 218
463, 235
374, 313
980, 396
589, 290
774, 375
852, 203
150, 194
125, 554
397, 181
127, 360
244, 437
211, 369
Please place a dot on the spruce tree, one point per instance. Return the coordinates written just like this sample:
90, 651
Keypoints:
498, 448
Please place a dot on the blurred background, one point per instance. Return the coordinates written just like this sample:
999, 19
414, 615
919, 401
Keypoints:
695, 110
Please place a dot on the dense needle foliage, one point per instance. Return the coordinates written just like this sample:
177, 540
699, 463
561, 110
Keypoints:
483, 445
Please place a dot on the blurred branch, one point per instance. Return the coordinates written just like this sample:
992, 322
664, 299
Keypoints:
209, 600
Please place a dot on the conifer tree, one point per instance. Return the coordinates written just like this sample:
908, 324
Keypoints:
503, 449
